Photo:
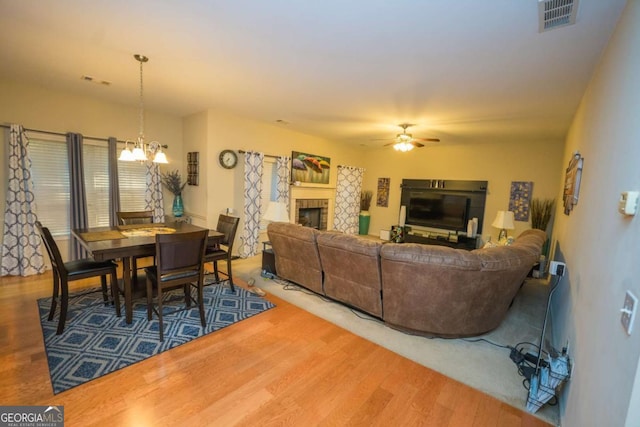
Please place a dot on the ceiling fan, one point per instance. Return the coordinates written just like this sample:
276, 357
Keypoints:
405, 141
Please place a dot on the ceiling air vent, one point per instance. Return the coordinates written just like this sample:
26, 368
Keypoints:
556, 13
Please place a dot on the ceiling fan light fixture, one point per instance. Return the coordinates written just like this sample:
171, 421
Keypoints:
404, 137
403, 146
403, 140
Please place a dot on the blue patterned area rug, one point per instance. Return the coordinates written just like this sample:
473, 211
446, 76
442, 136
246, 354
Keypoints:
95, 342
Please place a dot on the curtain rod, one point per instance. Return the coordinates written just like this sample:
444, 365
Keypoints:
95, 138
266, 155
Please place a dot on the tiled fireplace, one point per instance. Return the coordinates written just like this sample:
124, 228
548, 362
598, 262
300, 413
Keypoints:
314, 198
312, 213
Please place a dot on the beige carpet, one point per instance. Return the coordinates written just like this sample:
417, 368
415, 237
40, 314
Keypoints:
478, 364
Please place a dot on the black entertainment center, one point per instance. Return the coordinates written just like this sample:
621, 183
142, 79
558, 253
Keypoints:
443, 208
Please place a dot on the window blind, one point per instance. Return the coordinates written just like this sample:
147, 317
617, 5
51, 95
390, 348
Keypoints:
133, 184
96, 182
50, 175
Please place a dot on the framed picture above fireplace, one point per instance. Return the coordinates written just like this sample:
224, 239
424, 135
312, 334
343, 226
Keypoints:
309, 168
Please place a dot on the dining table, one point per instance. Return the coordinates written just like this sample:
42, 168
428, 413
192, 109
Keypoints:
126, 241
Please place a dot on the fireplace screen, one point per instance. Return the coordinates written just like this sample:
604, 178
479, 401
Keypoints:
310, 217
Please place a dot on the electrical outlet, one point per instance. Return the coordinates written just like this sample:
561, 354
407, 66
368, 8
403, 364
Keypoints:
628, 311
557, 268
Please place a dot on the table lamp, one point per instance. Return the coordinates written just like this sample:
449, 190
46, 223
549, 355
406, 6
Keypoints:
503, 221
276, 212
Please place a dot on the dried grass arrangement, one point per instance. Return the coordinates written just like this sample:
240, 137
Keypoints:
541, 211
173, 181
365, 200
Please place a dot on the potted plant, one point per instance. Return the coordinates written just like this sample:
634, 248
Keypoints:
365, 218
173, 182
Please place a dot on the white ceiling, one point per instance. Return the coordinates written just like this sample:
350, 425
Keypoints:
348, 71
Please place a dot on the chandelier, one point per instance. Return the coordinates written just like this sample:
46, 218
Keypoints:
142, 151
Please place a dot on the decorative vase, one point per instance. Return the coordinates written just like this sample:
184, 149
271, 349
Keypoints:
363, 224
178, 207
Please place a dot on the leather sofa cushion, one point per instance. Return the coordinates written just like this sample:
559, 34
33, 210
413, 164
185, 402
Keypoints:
351, 266
440, 256
297, 257
525, 251
351, 243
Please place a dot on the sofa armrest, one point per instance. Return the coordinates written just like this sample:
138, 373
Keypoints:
296, 254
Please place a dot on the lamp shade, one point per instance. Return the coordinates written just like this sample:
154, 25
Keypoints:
138, 153
160, 157
276, 212
504, 220
126, 155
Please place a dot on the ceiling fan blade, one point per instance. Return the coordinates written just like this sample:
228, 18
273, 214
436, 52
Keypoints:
386, 145
427, 139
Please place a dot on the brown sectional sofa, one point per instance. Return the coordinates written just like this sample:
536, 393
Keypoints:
422, 289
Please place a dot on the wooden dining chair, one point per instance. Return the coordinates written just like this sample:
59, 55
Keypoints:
135, 217
65, 272
228, 225
178, 264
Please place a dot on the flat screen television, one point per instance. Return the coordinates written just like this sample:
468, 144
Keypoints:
437, 210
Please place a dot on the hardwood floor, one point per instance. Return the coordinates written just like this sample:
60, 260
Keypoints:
282, 367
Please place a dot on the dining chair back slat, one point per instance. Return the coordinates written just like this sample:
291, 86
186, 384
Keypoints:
135, 217
130, 218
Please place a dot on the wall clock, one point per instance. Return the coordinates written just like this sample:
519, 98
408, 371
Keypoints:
228, 159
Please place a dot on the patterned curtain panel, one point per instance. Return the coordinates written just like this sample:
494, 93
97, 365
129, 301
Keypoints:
253, 165
114, 186
347, 209
21, 244
153, 195
78, 194
283, 171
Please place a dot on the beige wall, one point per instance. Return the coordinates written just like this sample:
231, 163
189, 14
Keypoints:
224, 188
195, 139
497, 163
600, 246
227, 131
